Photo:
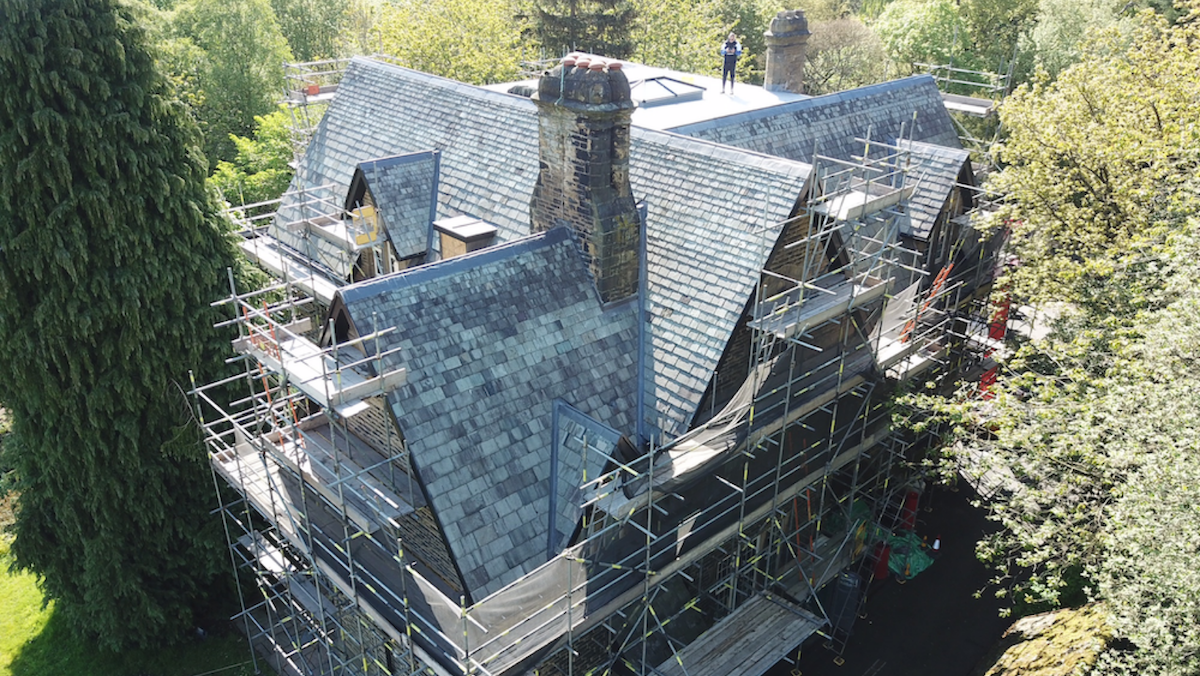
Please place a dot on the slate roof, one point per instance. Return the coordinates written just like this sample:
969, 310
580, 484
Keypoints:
382, 110
713, 214
491, 340
830, 124
479, 431
910, 108
404, 191
938, 168
703, 200
487, 140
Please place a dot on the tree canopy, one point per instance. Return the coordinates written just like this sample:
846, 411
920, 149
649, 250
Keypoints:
460, 39
241, 71
312, 28
1093, 431
596, 26
112, 251
924, 31
842, 54
261, 169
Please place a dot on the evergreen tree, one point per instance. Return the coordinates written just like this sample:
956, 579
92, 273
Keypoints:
600, 27
110, 252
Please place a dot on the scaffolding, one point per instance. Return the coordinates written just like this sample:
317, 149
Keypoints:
973, 94
309, 87
729, 534
309, 237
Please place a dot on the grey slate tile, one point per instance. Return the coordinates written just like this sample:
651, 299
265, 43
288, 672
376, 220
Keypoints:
522, 318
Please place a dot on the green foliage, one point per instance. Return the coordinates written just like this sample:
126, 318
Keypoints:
749, 19
996, 28
842, 54
595, 26
679, 34
7, 470
241, 75
184, 64
112, 252
360, 32
260, 172
1093, 437
35, 641
924, 31
1057, 40
687, 34
1095, 160
465, 40
312, 28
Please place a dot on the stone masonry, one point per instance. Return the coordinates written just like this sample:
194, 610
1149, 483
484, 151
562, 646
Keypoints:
584, 110
787, 42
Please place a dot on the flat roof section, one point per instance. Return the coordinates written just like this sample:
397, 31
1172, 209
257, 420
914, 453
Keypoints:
701, 99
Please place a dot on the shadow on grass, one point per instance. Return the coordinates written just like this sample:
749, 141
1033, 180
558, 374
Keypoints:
57, 651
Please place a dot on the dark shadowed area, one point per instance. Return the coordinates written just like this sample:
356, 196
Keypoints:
931, 625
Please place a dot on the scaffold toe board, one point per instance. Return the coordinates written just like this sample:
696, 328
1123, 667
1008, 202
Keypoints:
746, 643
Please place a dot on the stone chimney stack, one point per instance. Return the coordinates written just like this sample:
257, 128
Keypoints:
787, 41
584, 108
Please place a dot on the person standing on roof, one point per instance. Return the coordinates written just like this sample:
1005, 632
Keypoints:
731, 50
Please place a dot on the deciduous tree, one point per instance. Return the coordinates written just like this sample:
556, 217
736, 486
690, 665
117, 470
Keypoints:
1058, 35
842, 54
1092, 439
312, 28
678, 34
476, 42
261, 169
242, 74
924, 31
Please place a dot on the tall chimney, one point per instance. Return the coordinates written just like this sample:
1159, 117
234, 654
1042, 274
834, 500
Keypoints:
787, 40
584, 108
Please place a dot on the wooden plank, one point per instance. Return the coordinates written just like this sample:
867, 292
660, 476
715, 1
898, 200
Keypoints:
969, 104
746, 643
269, 256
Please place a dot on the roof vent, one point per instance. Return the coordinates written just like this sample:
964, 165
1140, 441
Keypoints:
463, 234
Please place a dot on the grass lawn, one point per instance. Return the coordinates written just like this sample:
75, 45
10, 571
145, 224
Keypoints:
34, 643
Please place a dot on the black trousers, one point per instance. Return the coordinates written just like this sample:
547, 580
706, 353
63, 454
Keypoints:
729, 71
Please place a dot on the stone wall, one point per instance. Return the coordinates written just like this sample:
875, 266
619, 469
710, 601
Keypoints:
584, 110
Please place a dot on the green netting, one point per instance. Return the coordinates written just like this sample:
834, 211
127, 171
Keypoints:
908, 557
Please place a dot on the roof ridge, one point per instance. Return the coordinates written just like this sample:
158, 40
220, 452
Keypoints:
805, 104
441, 81
449, 266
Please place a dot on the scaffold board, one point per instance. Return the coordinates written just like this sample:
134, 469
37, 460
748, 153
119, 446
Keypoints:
267, 252
317, 374
748, 642
854, 204
969, 105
